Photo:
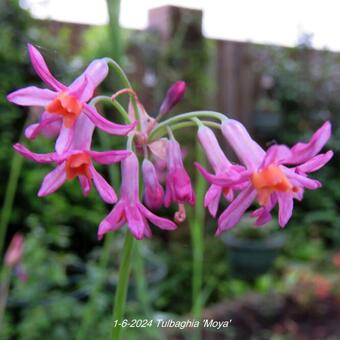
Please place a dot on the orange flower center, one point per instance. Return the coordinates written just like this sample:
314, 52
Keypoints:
78, 165
67, 106
268, 180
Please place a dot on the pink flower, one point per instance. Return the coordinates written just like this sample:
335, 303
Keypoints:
65, 104
267, 179
13, 256
228, 173
178, 182
14, 252
77, 162
173, 96
153, 191
129, 210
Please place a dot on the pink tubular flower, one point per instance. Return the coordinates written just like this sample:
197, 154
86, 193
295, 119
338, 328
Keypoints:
13, 256
77, 162
153, 191
14, 252
267, 179
129, 209
178, 183
65, 104
173, 96
222, 167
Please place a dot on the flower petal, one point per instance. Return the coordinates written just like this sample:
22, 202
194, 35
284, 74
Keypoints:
247, 150
82, 88
109, 157
302, 180
113, 221
33, 130
276, 154
263, 216
160, 222
31, 96
212, 199
53, 180
212, 149
135, 221
106, 125
159, 148
85, 185
96, 72
147, 230
302, 152
36, 157
104, 189
232, 215
42, 70
64, 140
315, 163
224, 180
83, 132
285, 201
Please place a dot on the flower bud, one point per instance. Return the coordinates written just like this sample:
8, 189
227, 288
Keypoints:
14, 251
153, 191
173, 96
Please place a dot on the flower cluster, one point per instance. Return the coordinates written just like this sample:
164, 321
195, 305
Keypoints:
273, 177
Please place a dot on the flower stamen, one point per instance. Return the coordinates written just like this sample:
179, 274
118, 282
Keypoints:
78, 165
268, 180
68, 106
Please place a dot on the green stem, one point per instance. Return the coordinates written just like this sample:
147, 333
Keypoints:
115, 103
139, 270
197, 236
122, 287
163, 131
124, 79
11, 189
113, 8
89, 315
119, 72
5, 280
186, 116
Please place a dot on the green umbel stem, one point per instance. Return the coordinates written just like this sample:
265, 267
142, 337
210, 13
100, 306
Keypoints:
161, 128
113, 8
197, 239
11, 189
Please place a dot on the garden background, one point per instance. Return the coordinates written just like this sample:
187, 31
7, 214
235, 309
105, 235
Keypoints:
279, 284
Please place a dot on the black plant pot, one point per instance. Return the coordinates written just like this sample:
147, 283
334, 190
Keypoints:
251, 258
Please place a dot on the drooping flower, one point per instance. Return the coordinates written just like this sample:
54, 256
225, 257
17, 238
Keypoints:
77, 162
222, 167
153, 190
14, 252
13, 256
178, 182
173, 96
129, 210
65, 104
268, 179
